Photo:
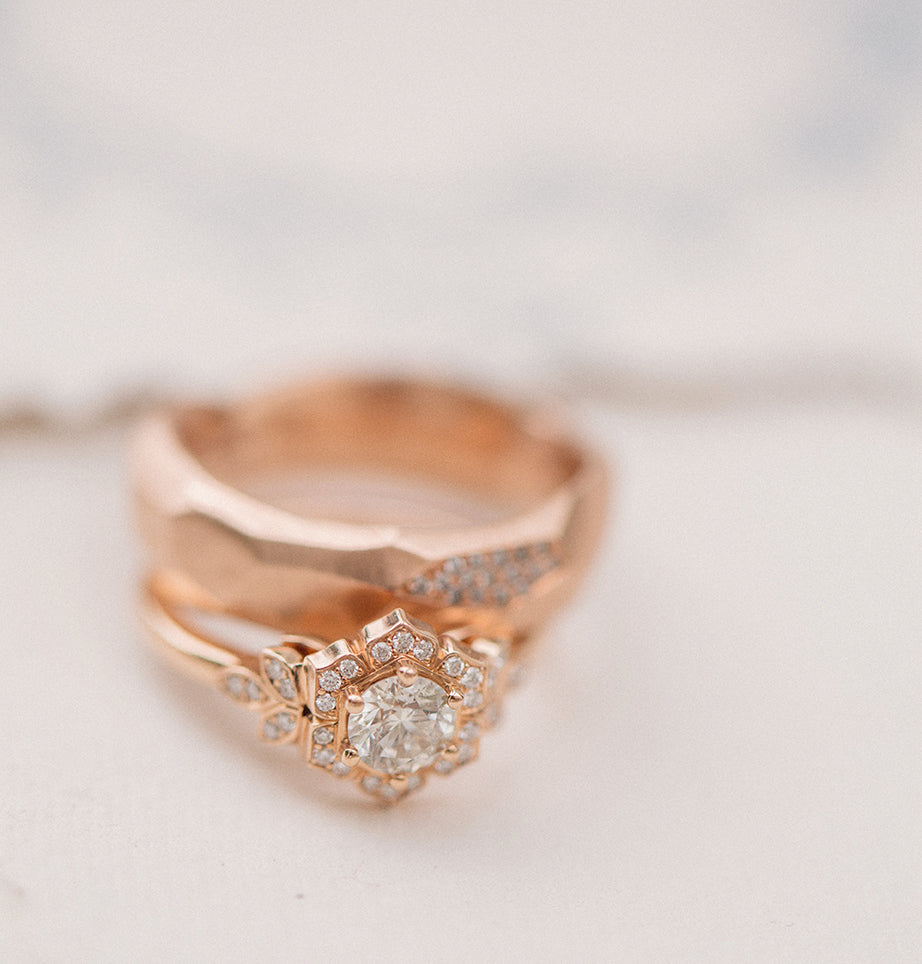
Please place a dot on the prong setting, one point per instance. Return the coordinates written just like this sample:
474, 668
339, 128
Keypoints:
383, 710
407, 674
354, 701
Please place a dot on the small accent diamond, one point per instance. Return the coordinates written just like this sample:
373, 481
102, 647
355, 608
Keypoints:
275, 669
234, 686
420, 586
473, 699
423, 649
387, 792
473, 677
323, 756
286, 721
330, 680
326, 703
371, 783
270, 730
380, 652
466, 753
482, 579
403, 641
470, 731
349, 669
339, 769
414, 782
453, 666
285, 687
323, 736
443, 766
254, 693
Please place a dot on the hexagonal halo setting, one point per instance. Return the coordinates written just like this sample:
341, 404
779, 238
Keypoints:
386, 709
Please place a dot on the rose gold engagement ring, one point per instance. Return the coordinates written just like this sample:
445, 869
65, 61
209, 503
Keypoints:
402, 541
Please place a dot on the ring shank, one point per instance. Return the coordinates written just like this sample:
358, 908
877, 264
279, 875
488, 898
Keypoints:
412, 429
202, 474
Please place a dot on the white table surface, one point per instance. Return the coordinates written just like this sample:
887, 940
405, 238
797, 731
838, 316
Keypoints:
715, 758
701, 224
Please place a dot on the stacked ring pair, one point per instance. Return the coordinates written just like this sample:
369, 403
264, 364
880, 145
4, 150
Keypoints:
403, 541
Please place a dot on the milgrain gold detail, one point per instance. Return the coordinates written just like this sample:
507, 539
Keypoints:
291, 679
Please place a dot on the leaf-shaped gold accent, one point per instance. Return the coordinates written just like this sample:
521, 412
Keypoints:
280, 674
280, 724
244, 687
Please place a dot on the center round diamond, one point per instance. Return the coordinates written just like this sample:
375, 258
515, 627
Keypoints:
402, 728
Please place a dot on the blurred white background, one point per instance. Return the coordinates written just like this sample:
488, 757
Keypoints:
201, 193
700, 223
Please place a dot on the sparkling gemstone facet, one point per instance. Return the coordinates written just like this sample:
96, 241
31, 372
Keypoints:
323, 756
402, 728
403, 641
326, 703
423, 649
381, 652
285, 688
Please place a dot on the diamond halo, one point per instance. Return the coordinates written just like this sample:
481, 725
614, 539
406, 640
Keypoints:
387, 710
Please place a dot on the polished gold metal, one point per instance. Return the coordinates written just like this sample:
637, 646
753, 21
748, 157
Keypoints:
286, 685
406, 674
386, 530
354, 701
244, 508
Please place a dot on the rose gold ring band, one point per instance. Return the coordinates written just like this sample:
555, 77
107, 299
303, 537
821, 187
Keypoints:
400, 541
534, 501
